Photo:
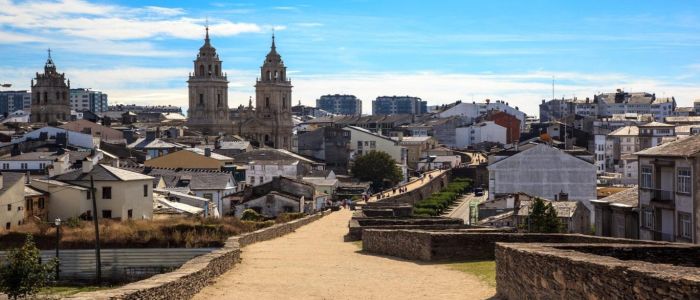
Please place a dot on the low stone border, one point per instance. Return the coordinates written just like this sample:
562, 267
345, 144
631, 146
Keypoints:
463, 244
561, 271
198, 272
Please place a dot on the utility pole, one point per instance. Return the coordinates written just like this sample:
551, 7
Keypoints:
98, 262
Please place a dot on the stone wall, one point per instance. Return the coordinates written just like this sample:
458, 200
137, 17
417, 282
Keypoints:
357, 225
197, 273
411, 197
547, 271
466, 244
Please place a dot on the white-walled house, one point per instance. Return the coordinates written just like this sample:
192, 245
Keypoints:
262, 171
12, 210
474, 110
487, 131
120, 194
35, 162
543, 171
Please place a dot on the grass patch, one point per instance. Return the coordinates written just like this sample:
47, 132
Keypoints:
484, 270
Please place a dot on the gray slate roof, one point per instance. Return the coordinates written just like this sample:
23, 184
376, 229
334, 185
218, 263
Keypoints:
680, 148
198, 179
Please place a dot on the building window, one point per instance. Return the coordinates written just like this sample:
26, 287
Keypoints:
267, 102
201, 99
218, 99
685, 225
41, 203
106, 192
9, 207
7, 226
359, 144
5, 166
88, 195
23, 166
648, 218
252, 179
208, 196
684, 184
130, 214
106, 214
262, 179
645, 181
145, 190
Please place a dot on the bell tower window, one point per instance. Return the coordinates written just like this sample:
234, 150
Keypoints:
216, 69
218, 99
201, 70
269, 75
267, 102
201, 99
284, 102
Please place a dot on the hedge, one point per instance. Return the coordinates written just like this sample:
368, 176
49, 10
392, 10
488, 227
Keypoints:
438, 202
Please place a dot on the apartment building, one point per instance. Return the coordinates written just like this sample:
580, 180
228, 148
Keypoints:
668, 181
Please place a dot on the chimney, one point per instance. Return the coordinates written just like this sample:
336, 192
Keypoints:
563, 196
207, 152
87, 165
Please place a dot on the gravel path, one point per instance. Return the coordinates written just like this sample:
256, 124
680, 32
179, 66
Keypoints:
315, 263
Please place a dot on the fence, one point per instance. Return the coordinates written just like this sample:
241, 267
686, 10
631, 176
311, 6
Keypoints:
120, 265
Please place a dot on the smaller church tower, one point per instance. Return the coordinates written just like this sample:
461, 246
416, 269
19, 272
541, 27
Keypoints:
208, 92
50, 96
273, 102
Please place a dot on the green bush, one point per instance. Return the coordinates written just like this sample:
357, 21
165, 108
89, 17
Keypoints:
438, 202
251, 215
287, 217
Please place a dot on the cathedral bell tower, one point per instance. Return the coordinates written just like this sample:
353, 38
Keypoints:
273, 102
50, 96
208, 92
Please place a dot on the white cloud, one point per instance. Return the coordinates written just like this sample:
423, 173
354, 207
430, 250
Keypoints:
82, 19
12, 38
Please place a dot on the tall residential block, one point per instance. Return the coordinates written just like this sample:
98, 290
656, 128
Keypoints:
392, 105
340, 104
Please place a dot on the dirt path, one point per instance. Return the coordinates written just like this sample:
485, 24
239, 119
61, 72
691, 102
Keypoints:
411, 185
315, 263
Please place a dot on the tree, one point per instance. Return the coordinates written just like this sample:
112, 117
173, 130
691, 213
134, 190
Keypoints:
377, 167
543, 217
23, 274
551, 221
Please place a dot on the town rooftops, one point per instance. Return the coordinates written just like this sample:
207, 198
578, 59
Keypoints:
626, 198
146, 143
33, 156
680, 148
237, 145
9, 179
102, 172
656, 124
625, 131
682, 119
212, 154
371, 133
185, 178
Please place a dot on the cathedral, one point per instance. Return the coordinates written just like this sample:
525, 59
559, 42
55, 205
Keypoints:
50, 96
268, 124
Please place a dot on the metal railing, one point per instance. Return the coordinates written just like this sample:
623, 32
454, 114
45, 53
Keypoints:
663, 195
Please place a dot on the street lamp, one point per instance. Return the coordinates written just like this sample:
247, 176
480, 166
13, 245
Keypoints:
57, 222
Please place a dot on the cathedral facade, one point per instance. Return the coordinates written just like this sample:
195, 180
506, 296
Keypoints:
208, 93
271, 123
50, 96
268, 124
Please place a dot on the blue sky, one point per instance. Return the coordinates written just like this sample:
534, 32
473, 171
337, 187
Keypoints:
141, 51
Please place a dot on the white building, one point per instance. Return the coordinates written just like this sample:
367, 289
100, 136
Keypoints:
542, 171
262, 171
487, 131
12, 210
473, 110
87, 99
120, 194
363, 141
73, 138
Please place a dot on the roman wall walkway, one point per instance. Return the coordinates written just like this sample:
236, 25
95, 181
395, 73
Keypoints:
412, 185
315, 263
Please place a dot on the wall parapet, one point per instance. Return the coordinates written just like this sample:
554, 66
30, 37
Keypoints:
602, 271
464, 244
198, 272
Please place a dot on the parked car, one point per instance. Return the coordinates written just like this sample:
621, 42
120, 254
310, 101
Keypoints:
478, 192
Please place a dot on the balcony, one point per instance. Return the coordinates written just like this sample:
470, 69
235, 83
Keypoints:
662, 195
